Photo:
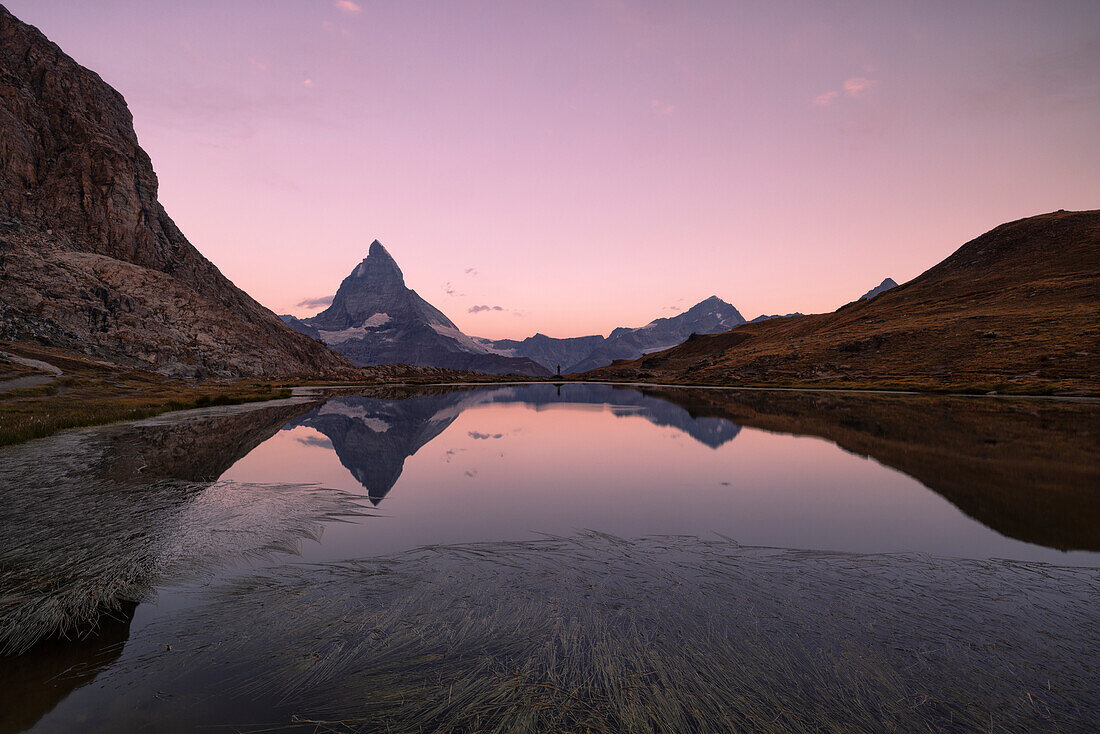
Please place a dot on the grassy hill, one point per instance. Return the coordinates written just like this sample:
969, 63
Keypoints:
1015, 310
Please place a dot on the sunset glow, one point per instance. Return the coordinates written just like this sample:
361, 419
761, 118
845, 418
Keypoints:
571, 167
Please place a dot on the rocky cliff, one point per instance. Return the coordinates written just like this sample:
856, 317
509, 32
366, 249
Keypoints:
89, 259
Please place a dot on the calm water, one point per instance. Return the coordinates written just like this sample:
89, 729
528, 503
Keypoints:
202, 515
512, 463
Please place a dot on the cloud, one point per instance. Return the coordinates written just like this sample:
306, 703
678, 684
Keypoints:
662, 108
479, 309
674, 308
347, 6
257, 64
471, 271
319, 441
857, 85
318, 302
450, 290
852, 87
307, 83
483, 436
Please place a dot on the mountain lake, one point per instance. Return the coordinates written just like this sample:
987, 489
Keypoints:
558, 557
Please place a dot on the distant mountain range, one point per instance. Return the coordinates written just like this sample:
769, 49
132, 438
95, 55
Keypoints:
376, 319
578, 354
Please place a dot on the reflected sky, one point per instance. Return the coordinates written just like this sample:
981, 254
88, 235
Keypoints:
513, 463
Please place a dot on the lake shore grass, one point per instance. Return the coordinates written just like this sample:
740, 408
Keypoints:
91, 393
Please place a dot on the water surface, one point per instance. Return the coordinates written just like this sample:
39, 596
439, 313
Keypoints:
349, 558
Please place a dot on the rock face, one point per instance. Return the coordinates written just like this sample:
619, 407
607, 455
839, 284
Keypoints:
89, 259
577, 354
375, 319
880, 288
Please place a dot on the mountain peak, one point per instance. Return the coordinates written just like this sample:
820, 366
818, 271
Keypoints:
885, 285
377, 250
378, 265
712, 304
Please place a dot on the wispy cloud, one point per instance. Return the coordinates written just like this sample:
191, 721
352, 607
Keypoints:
471, 271
318, 302
857, 85
451, 291
662, 108
307, 83
346, 6
852, 87
482, 436
257, 64
479, 309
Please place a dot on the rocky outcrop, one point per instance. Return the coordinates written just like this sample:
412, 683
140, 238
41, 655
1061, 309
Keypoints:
880, 288
89, 259
375, 319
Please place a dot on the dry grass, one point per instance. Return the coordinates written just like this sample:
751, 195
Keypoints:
598, 634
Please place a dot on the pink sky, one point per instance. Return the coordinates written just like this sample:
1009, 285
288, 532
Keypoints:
586, 165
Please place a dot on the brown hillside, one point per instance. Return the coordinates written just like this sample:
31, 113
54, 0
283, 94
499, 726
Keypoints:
1016, 309
89, 259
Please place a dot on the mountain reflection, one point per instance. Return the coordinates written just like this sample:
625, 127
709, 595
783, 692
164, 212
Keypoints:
373, 436
1027, 469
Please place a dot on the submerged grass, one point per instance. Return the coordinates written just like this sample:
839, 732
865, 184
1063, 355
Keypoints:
96, 519
598, 634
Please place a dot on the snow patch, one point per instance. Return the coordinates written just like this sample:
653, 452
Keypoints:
355, 332
355, 413
464, 341
377, 320
487, 345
